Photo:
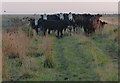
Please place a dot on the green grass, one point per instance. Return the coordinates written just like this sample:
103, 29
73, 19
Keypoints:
74, 62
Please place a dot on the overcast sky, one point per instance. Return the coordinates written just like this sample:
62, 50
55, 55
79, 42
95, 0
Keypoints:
56, 7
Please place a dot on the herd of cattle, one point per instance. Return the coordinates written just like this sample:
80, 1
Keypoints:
67, 22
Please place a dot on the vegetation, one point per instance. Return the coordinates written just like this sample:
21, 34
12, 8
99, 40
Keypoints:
29, 57
0, 54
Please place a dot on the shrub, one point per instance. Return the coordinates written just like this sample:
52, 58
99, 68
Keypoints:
28, 31
49, 62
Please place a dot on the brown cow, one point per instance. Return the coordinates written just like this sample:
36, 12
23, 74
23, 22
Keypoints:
95, 22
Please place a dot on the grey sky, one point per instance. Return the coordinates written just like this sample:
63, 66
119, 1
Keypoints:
56, 7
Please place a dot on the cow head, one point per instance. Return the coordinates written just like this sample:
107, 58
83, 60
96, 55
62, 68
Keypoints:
65, 15
105, 22
98, 16
32, 23
70, 16
102, 24
44, 17
61, 16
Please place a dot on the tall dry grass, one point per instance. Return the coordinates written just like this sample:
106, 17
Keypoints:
15, 45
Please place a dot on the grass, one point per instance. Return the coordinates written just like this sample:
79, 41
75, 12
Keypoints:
0, 54
71, 58
89, 56
74, 63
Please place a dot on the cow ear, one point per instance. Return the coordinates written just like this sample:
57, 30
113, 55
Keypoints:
41, 16
100, 15
57, 14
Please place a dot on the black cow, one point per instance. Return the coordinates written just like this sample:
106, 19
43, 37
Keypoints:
32, 24
58, 25
78, 21
61, 21
52, 17
49, 17
102, 24
71, 21
84, 20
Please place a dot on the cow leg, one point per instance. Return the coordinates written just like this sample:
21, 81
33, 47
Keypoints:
49, 31
57, 33
85, 30
94, 30
70, 31
44, 32
78, 29
53, 32
74, 29
65, 30
61, 33
39, 31
88, 31
36, 30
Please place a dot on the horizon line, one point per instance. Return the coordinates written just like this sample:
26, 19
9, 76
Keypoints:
62, 12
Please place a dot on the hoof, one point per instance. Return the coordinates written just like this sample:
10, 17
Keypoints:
61, 36
57, 36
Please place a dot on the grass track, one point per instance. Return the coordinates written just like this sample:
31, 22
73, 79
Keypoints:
84, 59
